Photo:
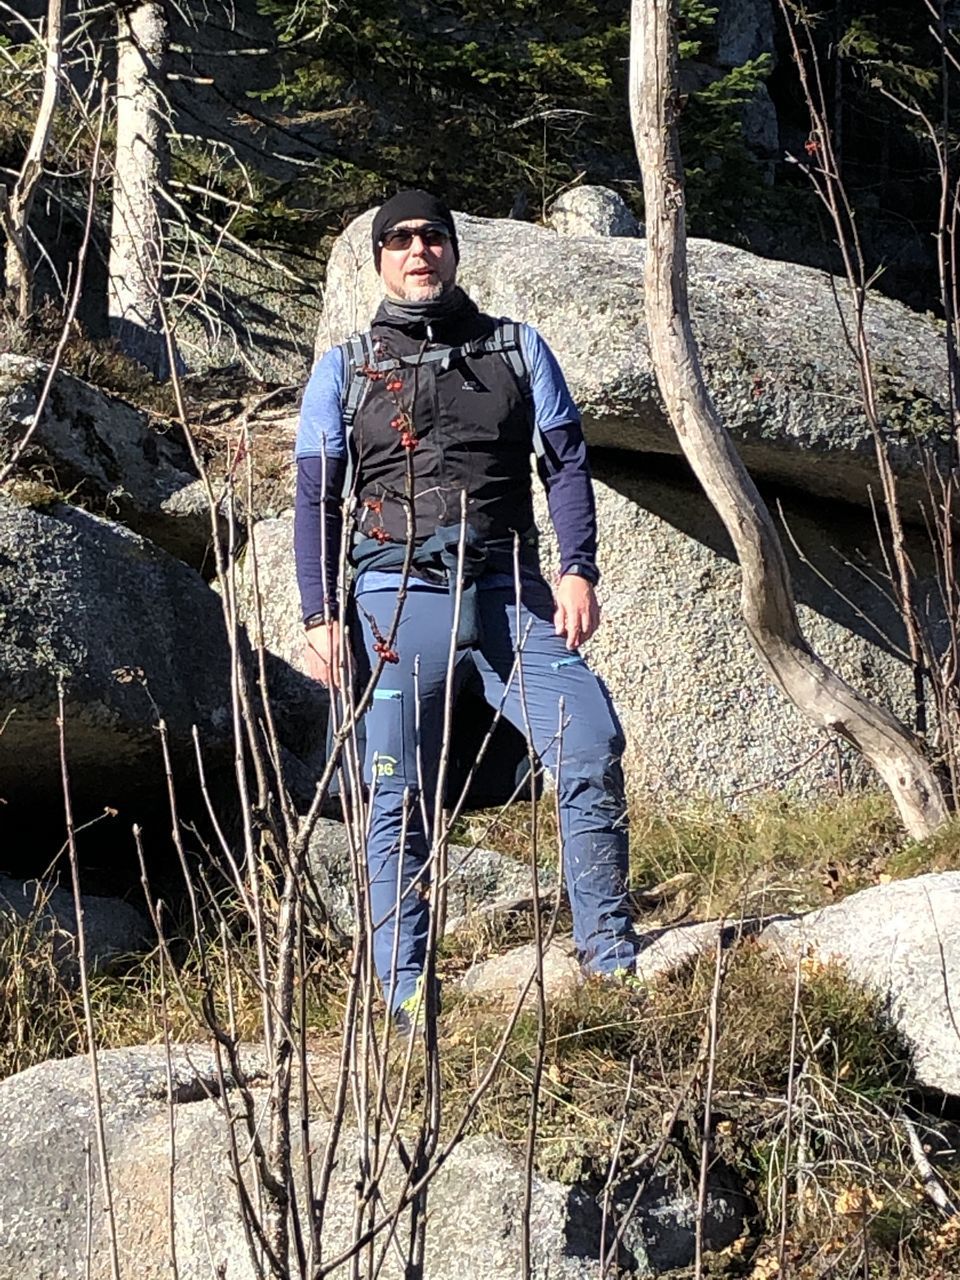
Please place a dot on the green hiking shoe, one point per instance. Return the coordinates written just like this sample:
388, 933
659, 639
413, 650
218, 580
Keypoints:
410, 1016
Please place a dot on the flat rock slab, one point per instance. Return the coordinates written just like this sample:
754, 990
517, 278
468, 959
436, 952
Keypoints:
771, 344
504, 977
47, 1120
902, 942
666, 950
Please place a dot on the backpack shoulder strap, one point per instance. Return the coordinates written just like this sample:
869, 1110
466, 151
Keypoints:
358, 355
506, 340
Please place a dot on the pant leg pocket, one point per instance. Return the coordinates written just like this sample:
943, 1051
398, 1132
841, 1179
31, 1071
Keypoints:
386, 753
568, 660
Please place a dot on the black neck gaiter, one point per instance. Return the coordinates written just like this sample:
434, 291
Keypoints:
453, 303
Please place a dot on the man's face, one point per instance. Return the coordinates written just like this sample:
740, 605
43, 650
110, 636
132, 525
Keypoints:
421, 271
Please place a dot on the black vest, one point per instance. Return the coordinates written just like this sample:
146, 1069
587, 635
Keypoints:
472, 423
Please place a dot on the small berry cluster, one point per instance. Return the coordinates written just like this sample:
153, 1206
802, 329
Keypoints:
377, 531
383, 650
402, 421
404, 424
381, 646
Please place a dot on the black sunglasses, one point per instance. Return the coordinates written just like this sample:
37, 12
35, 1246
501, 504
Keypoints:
432, 235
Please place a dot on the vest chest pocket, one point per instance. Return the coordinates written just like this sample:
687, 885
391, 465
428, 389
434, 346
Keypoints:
481, 404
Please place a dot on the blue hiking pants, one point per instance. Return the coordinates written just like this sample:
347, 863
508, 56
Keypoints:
405, 719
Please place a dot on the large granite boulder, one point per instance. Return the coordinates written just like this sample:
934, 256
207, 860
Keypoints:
132, 633
52, 1204
699, 713
771, 341
98, 451
48, 1136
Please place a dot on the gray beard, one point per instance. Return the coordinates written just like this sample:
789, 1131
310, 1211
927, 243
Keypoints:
435, 293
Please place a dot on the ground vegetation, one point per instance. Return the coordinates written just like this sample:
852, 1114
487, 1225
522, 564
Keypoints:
616, 1064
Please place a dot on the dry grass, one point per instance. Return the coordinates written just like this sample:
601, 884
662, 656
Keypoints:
593, 1034
856, 1206
95, 360
41, 1011
775, 854
38, 1017
852, 1184
940, 853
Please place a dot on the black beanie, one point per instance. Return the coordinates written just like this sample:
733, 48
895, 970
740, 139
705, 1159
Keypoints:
411, 204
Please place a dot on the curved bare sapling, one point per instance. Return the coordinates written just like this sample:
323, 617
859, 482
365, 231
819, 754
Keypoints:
767, 601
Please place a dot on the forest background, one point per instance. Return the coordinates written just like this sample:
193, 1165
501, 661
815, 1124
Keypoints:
284, 120
289, 117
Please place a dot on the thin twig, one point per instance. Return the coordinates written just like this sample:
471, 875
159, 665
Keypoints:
932, 1185
713, 1030
99, 1125
23, 442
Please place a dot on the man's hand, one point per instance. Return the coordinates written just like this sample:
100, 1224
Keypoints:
577, 614
322, 653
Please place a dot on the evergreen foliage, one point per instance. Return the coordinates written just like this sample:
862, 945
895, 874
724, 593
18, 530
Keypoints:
495, 104
500, 105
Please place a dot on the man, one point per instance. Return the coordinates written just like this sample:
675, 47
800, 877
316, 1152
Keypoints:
447, 407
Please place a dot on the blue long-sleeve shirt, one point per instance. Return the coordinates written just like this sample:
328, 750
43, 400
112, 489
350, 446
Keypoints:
321, 454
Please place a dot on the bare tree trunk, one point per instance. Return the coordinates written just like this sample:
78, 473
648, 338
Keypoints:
16, 214
136, 231
767, 594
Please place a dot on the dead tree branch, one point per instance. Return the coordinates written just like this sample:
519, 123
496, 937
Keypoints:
16, 215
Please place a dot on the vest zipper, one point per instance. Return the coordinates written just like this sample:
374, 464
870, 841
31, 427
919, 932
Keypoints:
438, 434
